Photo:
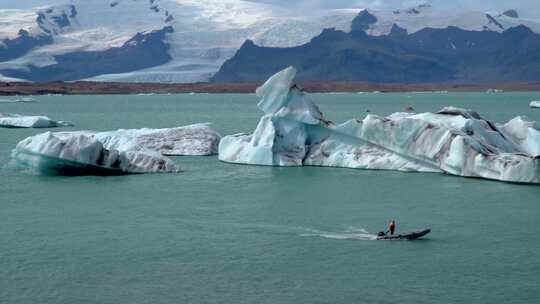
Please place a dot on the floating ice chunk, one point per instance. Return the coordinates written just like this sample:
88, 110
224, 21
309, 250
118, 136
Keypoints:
26, 99
293, 132
68, 153
22, 99
114, 152
535, 104
20, 121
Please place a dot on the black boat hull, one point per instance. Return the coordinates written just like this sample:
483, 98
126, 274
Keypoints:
405, 236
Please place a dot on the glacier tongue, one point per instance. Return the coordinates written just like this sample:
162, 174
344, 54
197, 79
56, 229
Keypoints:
293, 132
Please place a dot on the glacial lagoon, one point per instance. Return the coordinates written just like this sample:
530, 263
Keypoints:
224, 233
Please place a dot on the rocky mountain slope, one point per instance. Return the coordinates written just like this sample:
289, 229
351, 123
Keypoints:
429, 55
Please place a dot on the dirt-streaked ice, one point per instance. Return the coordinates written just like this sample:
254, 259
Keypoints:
193, 140
114, 152
67, 153
293, 132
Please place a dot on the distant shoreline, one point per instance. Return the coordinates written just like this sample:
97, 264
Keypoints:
99, 88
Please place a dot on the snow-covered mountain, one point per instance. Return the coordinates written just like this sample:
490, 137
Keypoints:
186, 40
427, 16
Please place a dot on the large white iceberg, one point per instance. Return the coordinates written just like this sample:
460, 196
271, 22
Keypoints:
114, 152
20, 121
535, 104
293, 132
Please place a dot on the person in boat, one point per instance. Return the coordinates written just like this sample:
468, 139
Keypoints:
392, 227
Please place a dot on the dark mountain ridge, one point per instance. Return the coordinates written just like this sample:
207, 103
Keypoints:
429, 55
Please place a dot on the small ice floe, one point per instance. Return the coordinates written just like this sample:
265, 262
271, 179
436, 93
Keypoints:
22, 121
535, 104
22, 99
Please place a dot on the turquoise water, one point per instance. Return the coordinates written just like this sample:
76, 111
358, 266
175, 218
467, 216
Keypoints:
221, 233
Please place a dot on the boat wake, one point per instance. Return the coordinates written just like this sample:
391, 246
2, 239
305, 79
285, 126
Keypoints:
352, 233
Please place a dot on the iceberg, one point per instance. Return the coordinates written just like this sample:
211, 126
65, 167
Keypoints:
67, 153
294, 132
23, 99
535, 104
114, 152
20, 121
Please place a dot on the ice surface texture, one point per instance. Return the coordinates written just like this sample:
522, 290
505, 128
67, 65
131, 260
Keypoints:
193, 140
114, 152
293, 132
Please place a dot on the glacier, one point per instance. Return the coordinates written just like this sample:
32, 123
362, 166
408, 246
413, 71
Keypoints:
208, 32
535, 104
114, 152
294, 132
21, 121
